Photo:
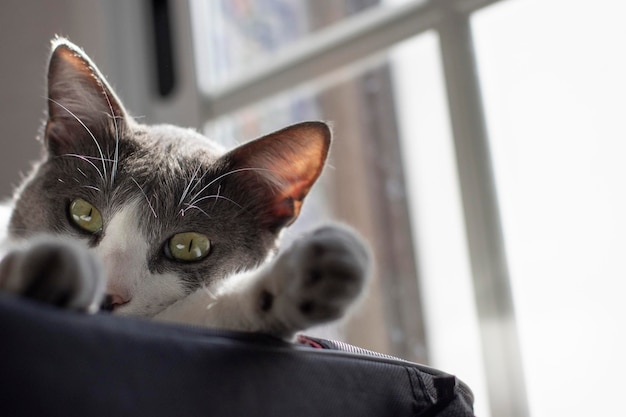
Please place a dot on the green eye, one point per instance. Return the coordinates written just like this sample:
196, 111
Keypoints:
85, 216
188, 246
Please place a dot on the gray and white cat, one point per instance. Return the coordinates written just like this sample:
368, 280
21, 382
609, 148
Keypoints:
160, 222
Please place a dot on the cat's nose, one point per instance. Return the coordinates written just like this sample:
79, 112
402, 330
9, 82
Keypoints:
113, 301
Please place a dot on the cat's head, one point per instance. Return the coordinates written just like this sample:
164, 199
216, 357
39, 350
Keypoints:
163, 207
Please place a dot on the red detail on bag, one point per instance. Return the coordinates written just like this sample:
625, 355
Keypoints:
303, 340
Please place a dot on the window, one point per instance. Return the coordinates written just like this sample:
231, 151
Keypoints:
497, 228
452, 333
553, 78
478, 146
365, 160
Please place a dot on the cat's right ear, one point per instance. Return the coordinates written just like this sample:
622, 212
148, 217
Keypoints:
80, 102
278, 170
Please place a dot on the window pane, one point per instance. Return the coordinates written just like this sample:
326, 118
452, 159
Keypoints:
233, 36
392, 176
553, 79
363, 186
438, 227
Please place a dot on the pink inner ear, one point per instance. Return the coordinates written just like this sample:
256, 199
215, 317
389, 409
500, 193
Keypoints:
290, 161
73, 58
289, 202
75, 86
80, 102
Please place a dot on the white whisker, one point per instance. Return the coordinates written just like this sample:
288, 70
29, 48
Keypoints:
146, 197
216, 197
199, 181
98, 159
235, 171
219, 188
86, 160
117, 138
191, 206
81, 171
92, 188
182, 198
88, 131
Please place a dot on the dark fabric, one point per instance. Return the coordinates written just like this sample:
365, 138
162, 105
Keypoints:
59, 363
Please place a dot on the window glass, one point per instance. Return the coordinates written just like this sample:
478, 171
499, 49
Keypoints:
233, 36
362, 186
392, 175
434, 197
553, 81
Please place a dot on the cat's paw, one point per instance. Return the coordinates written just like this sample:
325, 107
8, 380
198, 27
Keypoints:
55, 272
317, 279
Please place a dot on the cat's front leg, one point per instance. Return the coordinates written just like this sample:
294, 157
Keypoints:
54, 271
314, 281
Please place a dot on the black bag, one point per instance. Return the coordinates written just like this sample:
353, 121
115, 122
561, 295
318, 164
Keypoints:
60, 363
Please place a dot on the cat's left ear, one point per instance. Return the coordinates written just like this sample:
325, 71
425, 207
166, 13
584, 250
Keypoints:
278, 170
80, 101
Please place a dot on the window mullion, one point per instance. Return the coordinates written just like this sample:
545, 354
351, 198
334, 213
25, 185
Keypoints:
494, 302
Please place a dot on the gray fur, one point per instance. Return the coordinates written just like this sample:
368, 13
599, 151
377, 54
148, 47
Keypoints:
177, 181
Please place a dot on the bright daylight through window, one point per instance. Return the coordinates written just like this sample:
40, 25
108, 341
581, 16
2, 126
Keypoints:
553, 77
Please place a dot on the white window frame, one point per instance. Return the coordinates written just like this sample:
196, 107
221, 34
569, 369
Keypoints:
364, 35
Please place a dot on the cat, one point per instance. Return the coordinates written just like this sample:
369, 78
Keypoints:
160, 222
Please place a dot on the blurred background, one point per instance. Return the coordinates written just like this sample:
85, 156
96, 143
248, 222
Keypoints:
479, 146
